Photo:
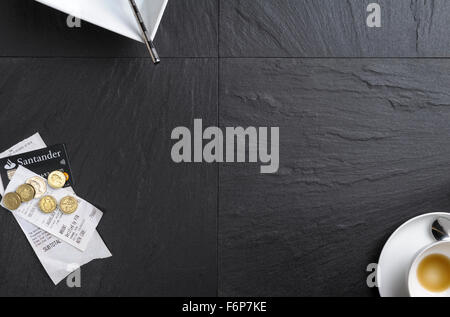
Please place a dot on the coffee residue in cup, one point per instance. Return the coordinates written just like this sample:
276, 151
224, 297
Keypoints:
433, 273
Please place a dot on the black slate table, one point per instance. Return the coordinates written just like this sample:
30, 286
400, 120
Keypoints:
364, 141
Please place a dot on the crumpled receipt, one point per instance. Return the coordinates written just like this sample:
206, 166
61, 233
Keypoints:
58, 258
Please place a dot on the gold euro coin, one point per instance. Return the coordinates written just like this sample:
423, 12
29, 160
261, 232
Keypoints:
68, 205
56, 179
47, 204
12, 201
39, 184
26, 192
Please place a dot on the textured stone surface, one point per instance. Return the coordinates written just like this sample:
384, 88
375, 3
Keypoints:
364, 146
333, 28
364, 142
28, 28
116, 117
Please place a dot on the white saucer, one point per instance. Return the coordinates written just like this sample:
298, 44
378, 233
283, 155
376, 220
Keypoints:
399, 251
114, 15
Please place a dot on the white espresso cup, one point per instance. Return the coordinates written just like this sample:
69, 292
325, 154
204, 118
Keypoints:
415, 287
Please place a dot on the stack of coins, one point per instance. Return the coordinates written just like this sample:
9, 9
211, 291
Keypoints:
36, 187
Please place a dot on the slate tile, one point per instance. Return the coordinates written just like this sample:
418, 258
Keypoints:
333, 28
28, 28
432, 19
116, 117
364, 146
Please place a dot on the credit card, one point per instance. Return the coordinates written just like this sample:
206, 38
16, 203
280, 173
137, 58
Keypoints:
41, 162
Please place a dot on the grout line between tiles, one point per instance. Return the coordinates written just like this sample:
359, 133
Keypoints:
228, 57
102, 57
218, 167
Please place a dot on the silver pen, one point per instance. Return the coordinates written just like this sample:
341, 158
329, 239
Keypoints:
147, 38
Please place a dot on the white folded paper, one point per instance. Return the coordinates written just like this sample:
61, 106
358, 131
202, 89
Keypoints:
58, 258
114, 15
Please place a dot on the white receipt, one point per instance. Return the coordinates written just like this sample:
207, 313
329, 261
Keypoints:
75, 229
58, 258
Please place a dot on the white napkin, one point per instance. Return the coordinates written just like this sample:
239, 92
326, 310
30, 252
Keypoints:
114, 15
